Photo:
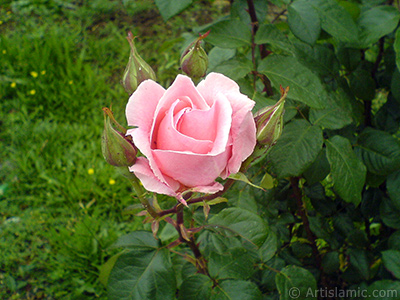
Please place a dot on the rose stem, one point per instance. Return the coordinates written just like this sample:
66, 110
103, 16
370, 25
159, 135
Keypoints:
303, 214
140, 192
201, 263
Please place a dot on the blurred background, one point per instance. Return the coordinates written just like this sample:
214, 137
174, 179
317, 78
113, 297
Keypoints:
61, 205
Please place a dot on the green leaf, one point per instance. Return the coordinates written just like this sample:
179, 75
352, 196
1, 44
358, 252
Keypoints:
137, 239
372, 198
376, 23
142, 274
331, 262
337, 113
389, 213
235, 68
271, 35
350, 58
352, 8
229, 34
168, 233
393, 188
237, 264
219, 55
168, 8
348, 173
243, 198
304, 85
242, 177
105, 269
319, 169
394, 241
196, 287
359, 260
379, 151
362, 84
336, 21
267, 182
269, 248
296, 149
236, 290
388, 116
319, 58
304, 21
295, 283
391, 260
395, 85
241, 222
396, 47
221, 244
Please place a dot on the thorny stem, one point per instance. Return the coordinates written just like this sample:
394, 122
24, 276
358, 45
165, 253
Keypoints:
145, 202
294, 181
254, 24
263, 52
302, 212
201, 263
140, 191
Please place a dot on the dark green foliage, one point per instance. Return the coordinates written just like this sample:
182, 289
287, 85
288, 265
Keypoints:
332, 216
331, 221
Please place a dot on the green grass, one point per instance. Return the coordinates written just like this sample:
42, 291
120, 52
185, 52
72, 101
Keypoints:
61, 205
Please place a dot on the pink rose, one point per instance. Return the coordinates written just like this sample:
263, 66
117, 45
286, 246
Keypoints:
190, 135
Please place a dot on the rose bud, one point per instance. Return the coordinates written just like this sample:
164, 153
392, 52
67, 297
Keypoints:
194, 60
117, 149
269, 121
137, 69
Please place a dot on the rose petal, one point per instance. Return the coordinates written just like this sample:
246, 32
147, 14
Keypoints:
212, 124
182, 88
243, 130
209, 189
191, 169
199, 124
169, 138
243, 145
139, 112
142, 104
224, 124
151, 183
216, 83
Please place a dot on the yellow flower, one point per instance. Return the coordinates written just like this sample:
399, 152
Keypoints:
1, 22
43, 72
71, 82
111, 181
32, 92
90, 171
34, 74
13, 85
4, 51
9, 12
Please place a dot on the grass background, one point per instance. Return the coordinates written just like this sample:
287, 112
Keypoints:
61, 205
